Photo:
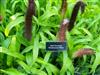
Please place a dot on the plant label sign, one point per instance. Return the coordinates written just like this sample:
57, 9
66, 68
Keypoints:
56, 46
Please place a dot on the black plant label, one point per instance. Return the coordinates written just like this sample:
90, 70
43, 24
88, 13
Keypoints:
56, 46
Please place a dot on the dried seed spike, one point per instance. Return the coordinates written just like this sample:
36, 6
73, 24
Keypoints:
63, 8
62, 30
84, 51
78, 5
28, 19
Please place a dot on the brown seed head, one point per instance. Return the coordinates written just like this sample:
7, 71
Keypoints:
62, 30
84, 51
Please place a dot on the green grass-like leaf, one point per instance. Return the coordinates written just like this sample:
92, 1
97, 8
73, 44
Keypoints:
13, 24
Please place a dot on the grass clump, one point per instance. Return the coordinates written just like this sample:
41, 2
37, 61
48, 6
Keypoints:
18, 56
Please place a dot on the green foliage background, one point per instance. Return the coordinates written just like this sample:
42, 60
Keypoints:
19, 56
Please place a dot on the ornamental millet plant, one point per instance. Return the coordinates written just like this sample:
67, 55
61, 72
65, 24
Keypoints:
67, 25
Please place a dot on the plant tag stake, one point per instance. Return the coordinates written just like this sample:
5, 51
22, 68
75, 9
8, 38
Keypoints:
56, 46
